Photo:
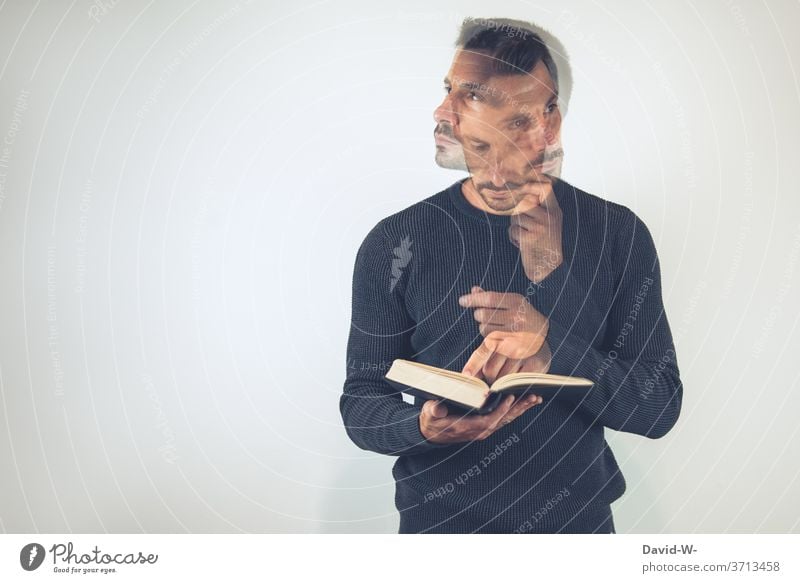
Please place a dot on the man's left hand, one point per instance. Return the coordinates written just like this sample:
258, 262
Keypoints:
510, 313
537, 234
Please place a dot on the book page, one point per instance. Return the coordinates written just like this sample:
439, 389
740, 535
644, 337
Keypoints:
539, 379
447, 373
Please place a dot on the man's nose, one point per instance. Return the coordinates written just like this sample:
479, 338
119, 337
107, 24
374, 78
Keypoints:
497, 171
540, 135
445, 113
531, 149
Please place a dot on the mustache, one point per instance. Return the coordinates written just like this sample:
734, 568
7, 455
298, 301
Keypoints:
505, 188
508, 186
552, 155
446, 130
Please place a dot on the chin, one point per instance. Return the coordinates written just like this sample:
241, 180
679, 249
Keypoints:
500, 205
449, 159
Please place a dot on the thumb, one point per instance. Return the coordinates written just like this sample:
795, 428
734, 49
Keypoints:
435, 409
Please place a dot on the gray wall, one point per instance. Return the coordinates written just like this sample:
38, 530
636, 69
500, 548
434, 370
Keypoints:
183, 187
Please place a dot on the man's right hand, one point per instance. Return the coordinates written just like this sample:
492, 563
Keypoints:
438, 426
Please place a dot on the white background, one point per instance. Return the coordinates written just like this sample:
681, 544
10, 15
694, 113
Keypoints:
184, 185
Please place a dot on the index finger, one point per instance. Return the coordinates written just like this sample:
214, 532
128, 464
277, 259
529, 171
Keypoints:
484, 299
476, 360
547, 199
533, 216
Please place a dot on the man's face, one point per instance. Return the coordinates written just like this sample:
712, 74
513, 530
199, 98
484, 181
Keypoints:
506, 128
449, 152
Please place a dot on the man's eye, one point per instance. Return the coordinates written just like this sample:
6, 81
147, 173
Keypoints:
551, 108
472, 96
447, 89
480, 147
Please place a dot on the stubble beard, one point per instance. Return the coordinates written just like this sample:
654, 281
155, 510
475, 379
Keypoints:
502, 205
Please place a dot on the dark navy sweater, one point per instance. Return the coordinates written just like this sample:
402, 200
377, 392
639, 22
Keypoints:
550, 470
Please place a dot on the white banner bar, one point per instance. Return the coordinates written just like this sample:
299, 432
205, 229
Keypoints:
387, 558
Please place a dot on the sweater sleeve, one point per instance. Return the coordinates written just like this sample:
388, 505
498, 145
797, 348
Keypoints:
637, 382
375, 416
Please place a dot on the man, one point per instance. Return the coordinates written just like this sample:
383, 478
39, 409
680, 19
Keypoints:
510, 269
449, 153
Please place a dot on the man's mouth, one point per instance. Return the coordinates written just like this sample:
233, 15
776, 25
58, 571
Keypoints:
552, 162
443, 137
517, 192
498, 193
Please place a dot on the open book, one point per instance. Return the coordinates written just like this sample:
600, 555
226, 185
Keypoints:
473, 394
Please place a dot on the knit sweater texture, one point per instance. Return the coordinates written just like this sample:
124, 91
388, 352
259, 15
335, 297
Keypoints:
550, 470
